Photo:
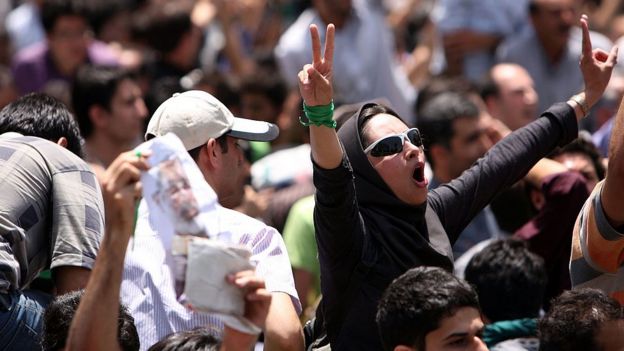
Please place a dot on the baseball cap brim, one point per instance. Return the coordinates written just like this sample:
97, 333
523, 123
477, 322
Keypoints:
249, 129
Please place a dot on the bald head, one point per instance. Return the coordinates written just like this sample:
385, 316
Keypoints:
515, 99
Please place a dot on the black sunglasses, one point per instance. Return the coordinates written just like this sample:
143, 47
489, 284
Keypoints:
393, 144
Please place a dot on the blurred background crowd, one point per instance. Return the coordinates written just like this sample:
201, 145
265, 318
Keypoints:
465, 72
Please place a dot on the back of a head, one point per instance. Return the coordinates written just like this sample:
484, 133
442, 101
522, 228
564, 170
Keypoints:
416, 302
95, 85
575, 318
198, 339
509, 279
58, 317
41, 116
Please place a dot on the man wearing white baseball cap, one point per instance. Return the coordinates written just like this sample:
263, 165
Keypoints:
208, 130
210, 133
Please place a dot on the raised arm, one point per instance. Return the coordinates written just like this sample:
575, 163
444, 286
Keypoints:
612, 199
458, 202
596, 66
121, 190
315, 86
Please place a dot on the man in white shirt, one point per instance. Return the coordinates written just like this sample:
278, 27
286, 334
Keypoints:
211, 135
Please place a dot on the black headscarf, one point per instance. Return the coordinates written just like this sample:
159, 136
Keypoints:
409, 235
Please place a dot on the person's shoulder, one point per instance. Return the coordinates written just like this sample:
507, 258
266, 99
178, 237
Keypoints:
58, 158
296, 35
100, 53
516, 46
238, 222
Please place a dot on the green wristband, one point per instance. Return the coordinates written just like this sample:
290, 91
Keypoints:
319, 115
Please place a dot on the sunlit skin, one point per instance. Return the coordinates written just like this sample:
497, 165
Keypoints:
127, 113
460, 331
397, 170
516, 103
582, 164
230, 189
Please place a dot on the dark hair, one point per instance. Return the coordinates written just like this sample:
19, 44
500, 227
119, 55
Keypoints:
416, 302
266, 84
95, 85
164, 24
438, 115
443, 84
52, 10
488, 87
222, 140
58, 316
574, 319
160, 90
43, 116
533, 7
367, 112
198, 339
509, 279
99, 12
583, 146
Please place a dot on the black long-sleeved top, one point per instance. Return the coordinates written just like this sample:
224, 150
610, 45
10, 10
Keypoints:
367, 237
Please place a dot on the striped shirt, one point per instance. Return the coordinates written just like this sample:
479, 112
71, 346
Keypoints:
597, 250
148, 290
51, 210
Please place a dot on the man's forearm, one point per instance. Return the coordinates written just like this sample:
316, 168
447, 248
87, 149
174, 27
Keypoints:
283, 329
612, 200
100, 299
233, 340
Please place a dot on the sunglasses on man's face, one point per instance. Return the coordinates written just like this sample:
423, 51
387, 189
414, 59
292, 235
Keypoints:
393, 144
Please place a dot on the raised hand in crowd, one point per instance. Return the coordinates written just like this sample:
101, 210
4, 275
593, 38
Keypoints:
315, 86
596, 66
122, 189
257, 303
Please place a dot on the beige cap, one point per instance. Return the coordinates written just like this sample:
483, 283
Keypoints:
196, 116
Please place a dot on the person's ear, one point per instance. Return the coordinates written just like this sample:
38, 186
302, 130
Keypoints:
62, 141
404, 348
211, 152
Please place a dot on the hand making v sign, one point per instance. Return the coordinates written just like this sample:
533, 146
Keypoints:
315, 86
315, 80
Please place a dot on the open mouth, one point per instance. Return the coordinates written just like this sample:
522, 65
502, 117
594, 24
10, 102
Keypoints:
419, 175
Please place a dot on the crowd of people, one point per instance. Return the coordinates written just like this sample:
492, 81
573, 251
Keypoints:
405, 174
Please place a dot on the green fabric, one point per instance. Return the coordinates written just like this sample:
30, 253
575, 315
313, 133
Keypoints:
321, 115
47, 274
299, 239
259, 149
505, 330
